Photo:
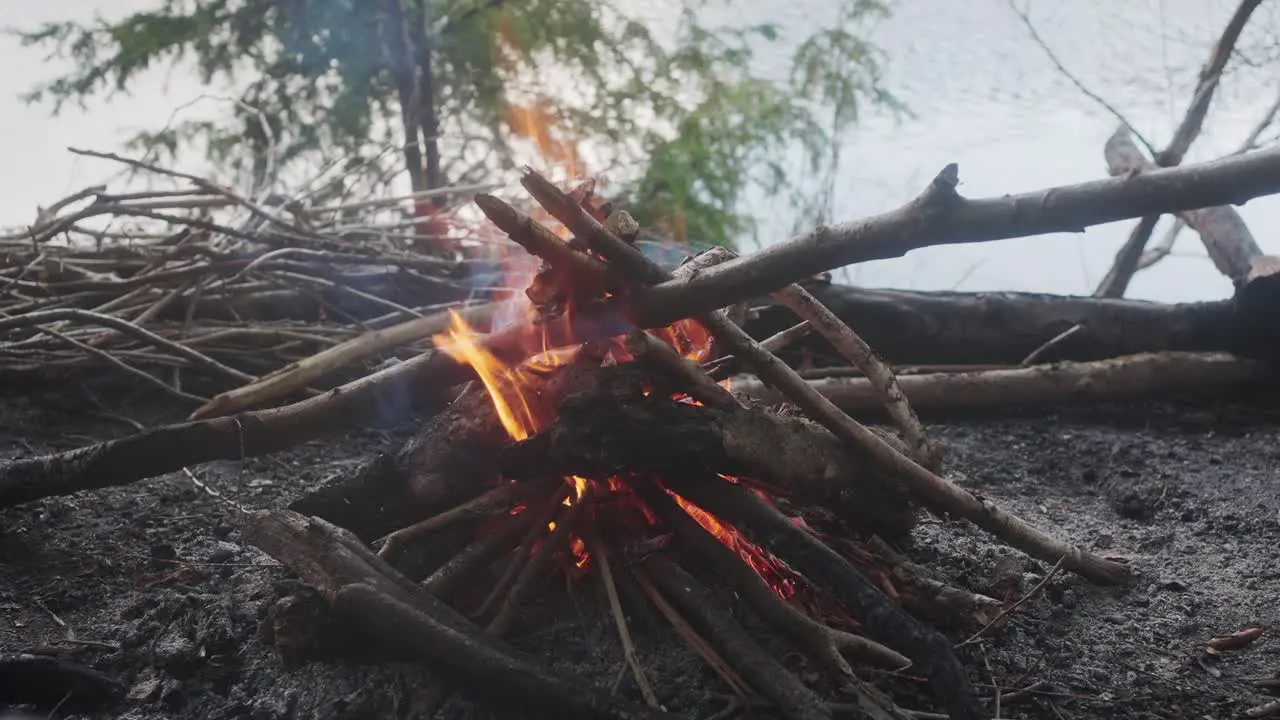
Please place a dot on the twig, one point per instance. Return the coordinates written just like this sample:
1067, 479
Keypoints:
881, 377
1012, 608
444, 580
535, 568
541, 242
494, 500
692, 638
117, 362
523, 553
766, 675
1062, 69
600, 556
1051, 343
683, 371
123, 326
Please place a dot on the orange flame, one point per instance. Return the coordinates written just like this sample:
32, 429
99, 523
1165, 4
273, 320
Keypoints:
764, 564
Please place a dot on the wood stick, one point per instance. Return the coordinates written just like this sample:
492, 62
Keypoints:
299, 375
878, 374
883, 619
937, 493
822, 644
535, 568
683, 371
444, 581
1145, 376
940, 216
523, 552
765, 674
724, 367
926, 597
541, 242
600, 557
692, 638
476, 666
495, 500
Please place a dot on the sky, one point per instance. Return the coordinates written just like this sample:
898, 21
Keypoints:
982, 92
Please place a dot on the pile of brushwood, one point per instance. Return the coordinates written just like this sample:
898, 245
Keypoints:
692, 428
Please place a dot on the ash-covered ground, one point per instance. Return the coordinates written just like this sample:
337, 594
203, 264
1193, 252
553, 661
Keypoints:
152, 584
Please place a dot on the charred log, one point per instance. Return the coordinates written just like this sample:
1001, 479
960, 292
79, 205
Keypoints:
934, 328
449, 461
611, 427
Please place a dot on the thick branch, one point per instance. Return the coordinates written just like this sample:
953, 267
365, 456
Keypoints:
990, 328
940, 216
1151, 375
1223, 231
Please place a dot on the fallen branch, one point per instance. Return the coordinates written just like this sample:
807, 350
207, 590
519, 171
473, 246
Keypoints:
940, 216
1225, 235
1152, 375
1003, 328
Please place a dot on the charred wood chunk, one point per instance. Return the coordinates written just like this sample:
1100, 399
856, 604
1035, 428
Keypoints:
610, 429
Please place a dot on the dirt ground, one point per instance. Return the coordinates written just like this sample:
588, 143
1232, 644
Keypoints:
152, 584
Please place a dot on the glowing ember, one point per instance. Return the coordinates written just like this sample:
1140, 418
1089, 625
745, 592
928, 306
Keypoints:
764, 564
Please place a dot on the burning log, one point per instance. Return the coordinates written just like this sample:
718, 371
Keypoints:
610, 427
447, 463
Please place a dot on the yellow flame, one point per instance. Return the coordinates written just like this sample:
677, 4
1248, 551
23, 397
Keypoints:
502, 382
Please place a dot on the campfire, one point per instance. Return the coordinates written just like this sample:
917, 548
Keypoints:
587, 446
596, 427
